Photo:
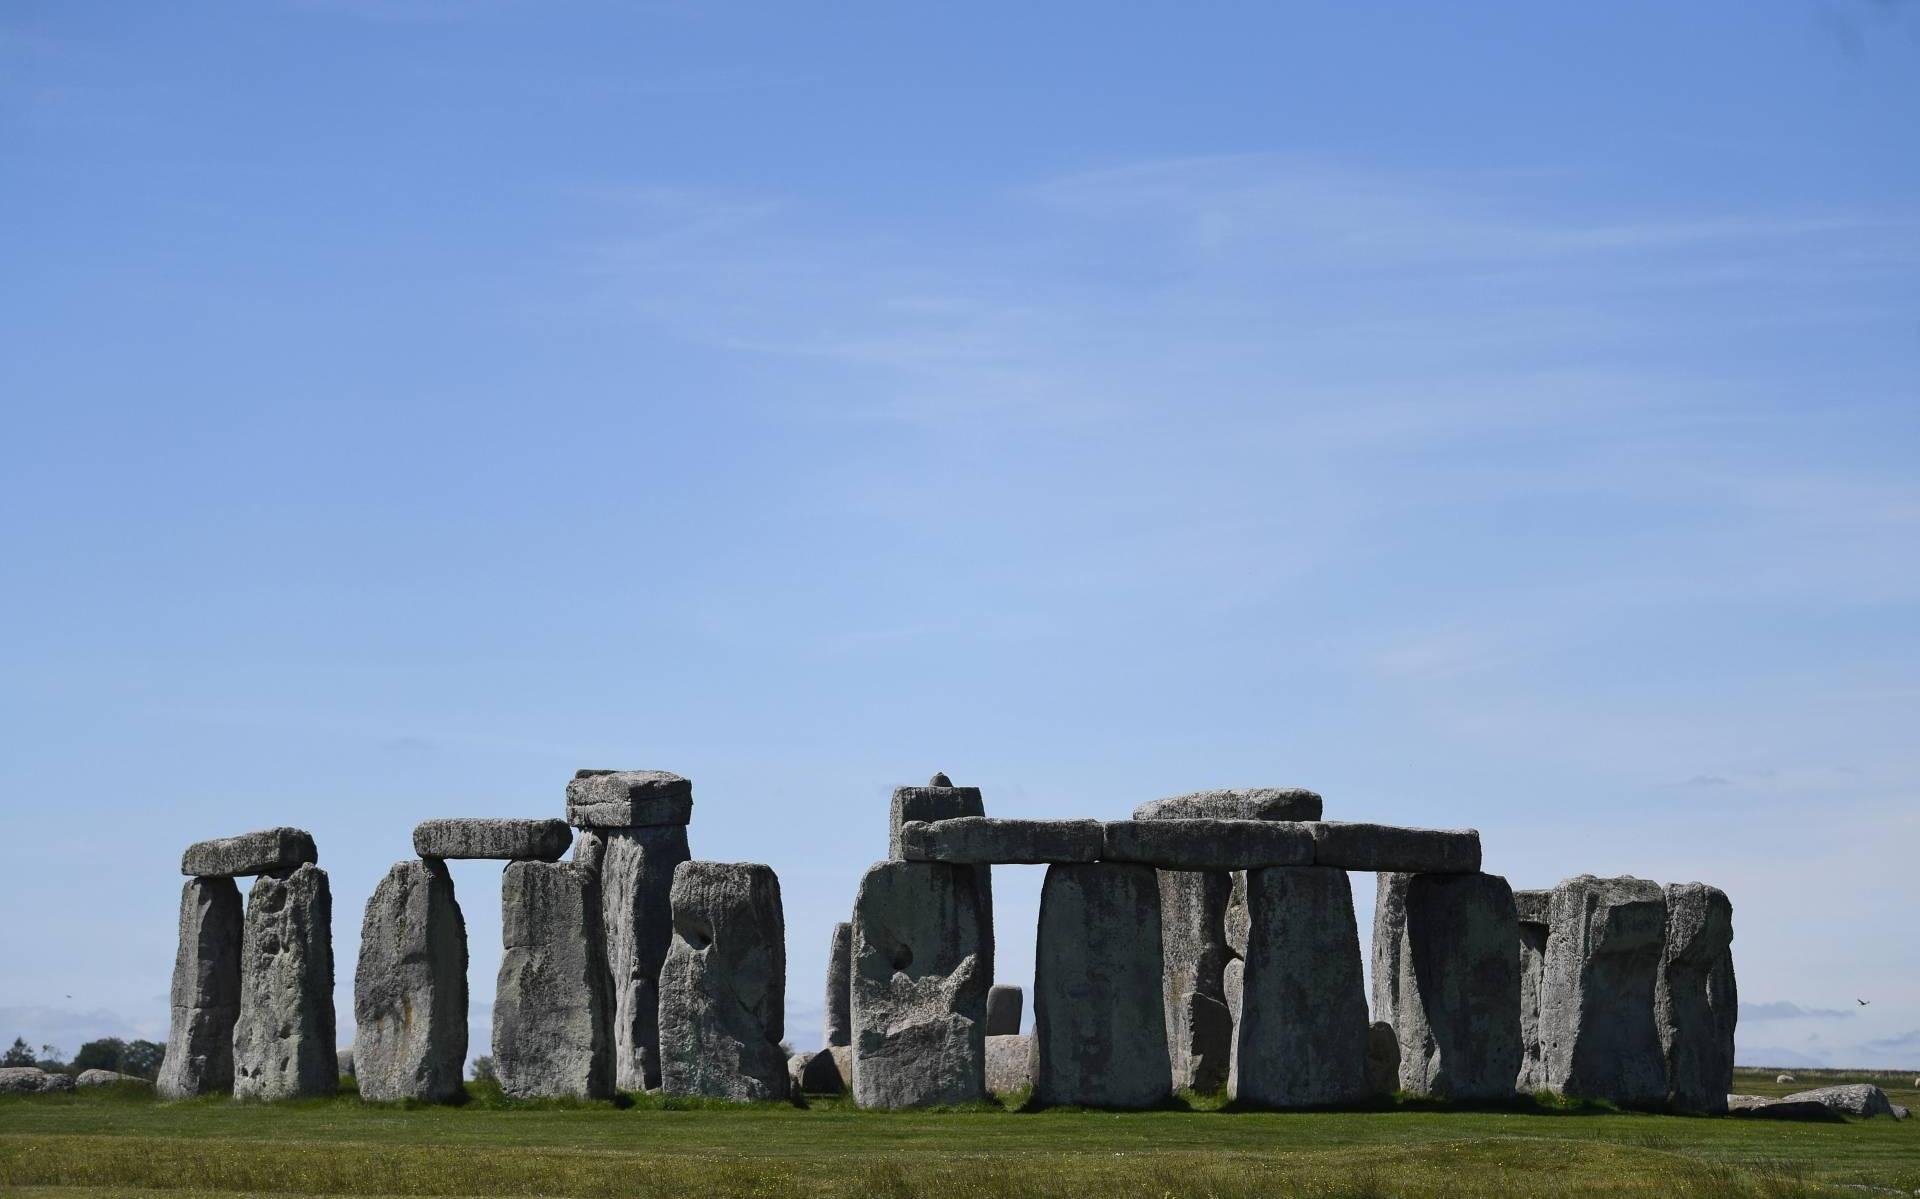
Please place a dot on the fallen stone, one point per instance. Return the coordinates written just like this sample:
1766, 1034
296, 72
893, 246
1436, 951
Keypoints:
205, 999
1383, 1059
927, 804
552, 1027
1004, 1007
410, 989
1009, 1064
636, 898
839, 1029
108, 1078
1198, 844
1241, 803
1785, 1078
1195, 954
1849, 1099
269, 851
1387, 848
983, 840
1694, 1002
32, 1080
1532, 909
628, 799
816, 1073
1301, 1036
723, 984
919, 988
1598, 1038
283, 1037
1446, 976
1766, 1107
510, 840
1099, 1019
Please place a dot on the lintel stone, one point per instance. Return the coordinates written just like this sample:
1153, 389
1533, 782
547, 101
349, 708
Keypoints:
508, 840
1196, 844
628, 799
981, 840
268, 851
1389, 848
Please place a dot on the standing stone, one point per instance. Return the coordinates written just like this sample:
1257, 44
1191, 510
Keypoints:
1446, 975
941, 800
1383, 1059
1004, 1006
919, 986
283, 1038
1009, 1064
723, 988
551, 1023
1193, 936
636, 891
1597, 1032
1099, 1018
410, 989
206, 991
1533, 910
839, 1030
1694, 1007
589, 849
1301, 1040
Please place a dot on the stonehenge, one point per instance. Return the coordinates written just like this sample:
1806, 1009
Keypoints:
283, 1036
552, 1028
981, 840
723, 985
410, 988
509, 840
636, 887
1694, 998
1533, 914
206, 991
839, 1009
1598, 1035
269, 851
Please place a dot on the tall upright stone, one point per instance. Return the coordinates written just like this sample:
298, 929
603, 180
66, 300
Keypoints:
1099, 1015
941, 800
552, 1034
283, 1038
1301, 1040
839, 1010
1533, 915
1446, 977
410, 988
1695, 1005
206, 991
724, 984
1598, 1038
1004, 1009
919, 993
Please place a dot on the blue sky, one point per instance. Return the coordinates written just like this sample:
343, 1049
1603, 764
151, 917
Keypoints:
1499, 416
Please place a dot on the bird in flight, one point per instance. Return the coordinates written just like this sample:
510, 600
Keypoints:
1861, 1002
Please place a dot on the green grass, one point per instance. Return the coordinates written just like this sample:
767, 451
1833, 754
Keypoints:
120, 1143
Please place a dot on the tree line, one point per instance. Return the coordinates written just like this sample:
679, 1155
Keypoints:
138, 1058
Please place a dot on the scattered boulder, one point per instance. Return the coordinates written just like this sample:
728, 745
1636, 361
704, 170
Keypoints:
1849, 1099
283, 1037
1207, 844
1533, 912
1237, 803
32, 1080
205, 999
1785, 1078
1385, 847
723, 984
410, 989
1597, 1032
816, 1073
1301, 1036
628, 799
552, 1034
1765, 1107
636, 903
511, 840
1383, 1059
1193, 940
1694, 1002
839, 1029
1009, 1064
107, 1078
1005, 1004
269, 851
982, 840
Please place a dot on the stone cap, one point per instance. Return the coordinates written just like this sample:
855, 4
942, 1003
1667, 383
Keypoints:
1533, 907
268, 851
628, 798
1391, 849
929, 803
984, 840
508, 840
1189, 844
1235, 803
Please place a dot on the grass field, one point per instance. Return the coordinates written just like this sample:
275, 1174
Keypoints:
108, 1143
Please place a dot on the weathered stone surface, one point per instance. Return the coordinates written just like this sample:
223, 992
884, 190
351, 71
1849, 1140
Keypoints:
511, 840
1446, 976
928, 804
1852, 1099
636, 893
552, 1024
1533, 907
1237, 915
628, 799
1233, 982
343, 1060
1009, 1064
1597, 1033
1767, 1107
919, 986
107, 1078
1193, 942
816, 1073
268, 851
1386, 847
1785, 1078
723, 985
410, 989
589, 849
982, 840
205, 999
32, 1080
1099, 1018
1383, 1059
1301, 1036
1200, 844
1239, 803
1533, 912
283, 1038
839, 1029
1004, 1009
1694, 1004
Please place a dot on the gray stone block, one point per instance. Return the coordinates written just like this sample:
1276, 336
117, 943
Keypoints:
1446, 976
816, 1073
589, 849
1301, 1037
1694, 1002
205, 1000
628, 799
87, 1079
1009, 1064
723, 985
1193, 906
509, 840
1239, 803
984, 840
410, 989
1099, 1019
1004, 1009
552, 1023
1388, 848
1860, 1099
32, 1080
1383, 1058
1533, 909
283, 1038
839, 1010
1598, 1038
919, 986
636, 895
1181, 844
269, 851
928, 804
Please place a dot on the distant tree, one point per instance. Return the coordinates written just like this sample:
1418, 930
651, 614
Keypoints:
107, 1053
19, 1054
483, 1069
143, 1059
52, 1059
